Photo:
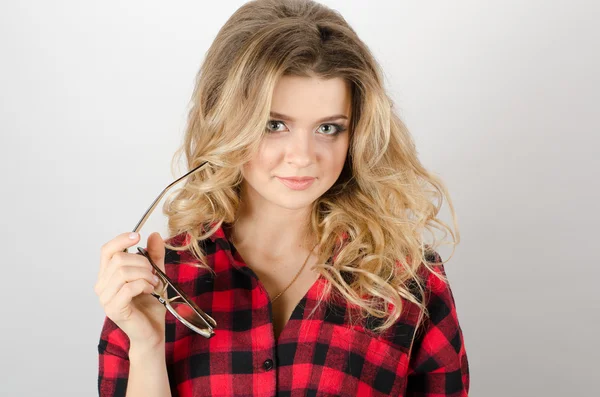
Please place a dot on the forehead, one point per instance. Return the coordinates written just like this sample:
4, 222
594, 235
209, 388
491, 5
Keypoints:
305, 98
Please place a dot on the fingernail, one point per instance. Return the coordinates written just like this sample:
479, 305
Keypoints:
155, 279
133, 236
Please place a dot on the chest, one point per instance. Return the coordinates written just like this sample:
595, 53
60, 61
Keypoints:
283, 307
330, 359
274, 351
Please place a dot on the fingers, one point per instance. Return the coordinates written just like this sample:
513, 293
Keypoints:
118, 244
156, 249
119, 308
118, 261
121, 259
124, 275
113, 257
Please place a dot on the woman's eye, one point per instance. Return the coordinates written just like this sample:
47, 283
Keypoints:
329, 131
272, 125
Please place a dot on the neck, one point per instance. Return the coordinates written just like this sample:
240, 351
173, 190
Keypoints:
275, 238
271, 231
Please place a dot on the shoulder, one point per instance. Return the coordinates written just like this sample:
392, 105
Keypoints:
439, 298
180, 263
436, 279
438, 356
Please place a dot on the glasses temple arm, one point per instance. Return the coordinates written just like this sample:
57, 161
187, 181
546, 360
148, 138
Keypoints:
160, 196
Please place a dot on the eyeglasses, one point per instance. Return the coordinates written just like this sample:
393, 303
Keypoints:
180, 305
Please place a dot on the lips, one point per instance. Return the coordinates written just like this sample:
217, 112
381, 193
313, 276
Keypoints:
297, 183
298, 179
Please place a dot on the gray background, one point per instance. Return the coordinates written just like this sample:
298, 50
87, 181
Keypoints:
501, 96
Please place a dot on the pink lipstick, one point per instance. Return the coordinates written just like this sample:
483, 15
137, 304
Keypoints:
299, 183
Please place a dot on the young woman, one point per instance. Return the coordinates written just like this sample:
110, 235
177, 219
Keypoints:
296, 263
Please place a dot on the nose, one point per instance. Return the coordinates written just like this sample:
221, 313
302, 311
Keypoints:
300, 150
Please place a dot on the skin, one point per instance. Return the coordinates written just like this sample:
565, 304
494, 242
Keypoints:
269, 228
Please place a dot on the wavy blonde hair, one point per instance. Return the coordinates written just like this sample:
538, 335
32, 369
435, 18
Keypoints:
370, 224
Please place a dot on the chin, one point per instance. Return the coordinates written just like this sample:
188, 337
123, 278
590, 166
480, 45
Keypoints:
293, 203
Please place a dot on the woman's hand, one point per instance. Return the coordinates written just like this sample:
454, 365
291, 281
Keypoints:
124, 284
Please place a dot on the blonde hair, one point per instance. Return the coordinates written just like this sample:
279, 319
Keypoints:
373, 218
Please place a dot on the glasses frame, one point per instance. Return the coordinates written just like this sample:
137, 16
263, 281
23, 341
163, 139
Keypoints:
162, 297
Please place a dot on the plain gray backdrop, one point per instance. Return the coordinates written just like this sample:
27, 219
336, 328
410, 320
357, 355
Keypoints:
502, 98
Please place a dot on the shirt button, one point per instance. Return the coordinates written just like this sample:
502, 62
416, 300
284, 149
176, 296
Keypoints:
268, 364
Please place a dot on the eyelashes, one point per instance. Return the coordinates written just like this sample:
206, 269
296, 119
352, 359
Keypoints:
338, 127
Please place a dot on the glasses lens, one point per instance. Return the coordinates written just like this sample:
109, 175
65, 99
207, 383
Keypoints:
186, 312
176, 304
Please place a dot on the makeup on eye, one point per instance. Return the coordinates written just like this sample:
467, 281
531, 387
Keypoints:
338, 127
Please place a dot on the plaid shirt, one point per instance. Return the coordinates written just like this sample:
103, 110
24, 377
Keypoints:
317, 356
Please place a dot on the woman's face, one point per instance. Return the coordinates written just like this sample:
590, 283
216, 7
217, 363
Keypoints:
307, 137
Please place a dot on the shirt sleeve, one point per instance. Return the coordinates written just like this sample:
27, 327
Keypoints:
113, 360
438, 364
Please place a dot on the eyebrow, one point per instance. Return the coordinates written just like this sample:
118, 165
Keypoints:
329, 118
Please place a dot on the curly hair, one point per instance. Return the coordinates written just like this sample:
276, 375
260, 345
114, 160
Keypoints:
370, 223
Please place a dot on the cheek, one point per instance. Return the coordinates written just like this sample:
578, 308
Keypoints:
261, 162
339, 154
269, 155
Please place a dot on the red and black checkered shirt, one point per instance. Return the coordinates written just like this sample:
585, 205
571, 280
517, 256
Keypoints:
317, 356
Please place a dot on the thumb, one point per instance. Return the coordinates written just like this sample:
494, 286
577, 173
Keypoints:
156, 249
